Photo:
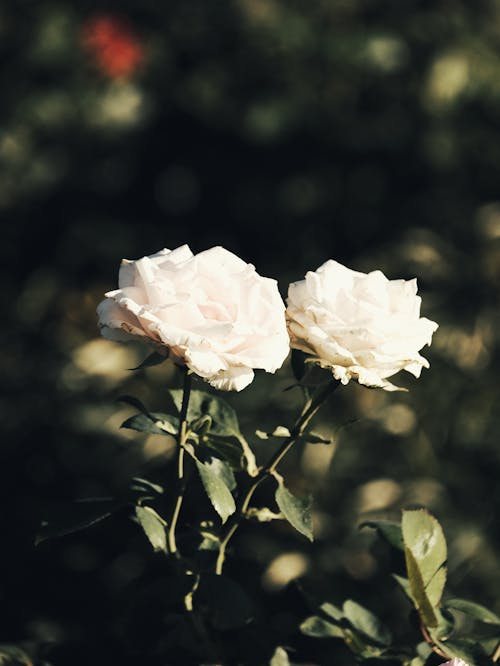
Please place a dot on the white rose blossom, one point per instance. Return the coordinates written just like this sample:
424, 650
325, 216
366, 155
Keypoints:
361, 326
212, 310
455, 662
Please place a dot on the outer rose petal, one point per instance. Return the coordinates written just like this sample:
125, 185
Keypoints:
361, 326
116, 323
212, 311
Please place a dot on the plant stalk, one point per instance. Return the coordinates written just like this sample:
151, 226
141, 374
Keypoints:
309, 410
181, 479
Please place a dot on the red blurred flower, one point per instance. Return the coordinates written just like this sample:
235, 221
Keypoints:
113, 45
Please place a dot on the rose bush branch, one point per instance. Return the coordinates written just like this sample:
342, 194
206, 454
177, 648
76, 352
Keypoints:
181, 478
217, 318
310, 408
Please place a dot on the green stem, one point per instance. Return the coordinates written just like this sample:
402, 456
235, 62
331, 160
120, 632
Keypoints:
308, 411
181, 479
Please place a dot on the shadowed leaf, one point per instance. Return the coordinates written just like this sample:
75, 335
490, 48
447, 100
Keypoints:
473, 610
227, 603
389, 530
153, 359
366, 622
76, 517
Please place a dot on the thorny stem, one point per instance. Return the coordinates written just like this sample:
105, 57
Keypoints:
181, 479
308, 411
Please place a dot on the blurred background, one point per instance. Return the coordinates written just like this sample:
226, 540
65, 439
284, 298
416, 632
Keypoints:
288, 132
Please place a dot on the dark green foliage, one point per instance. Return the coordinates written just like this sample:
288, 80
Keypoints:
224, 601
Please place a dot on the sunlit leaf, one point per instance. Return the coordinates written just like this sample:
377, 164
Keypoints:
317, 627
214, 478
332, 611
418, 593
153, 526
263, 515
297, 510
425, 551
314, 438
279, 431
435, 586
279, 658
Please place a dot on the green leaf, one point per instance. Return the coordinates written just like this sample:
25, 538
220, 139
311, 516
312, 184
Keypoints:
228, 605
263, 515
404, 583
201, 404
332, 611
153, 526
416, 661
76, 517
134, 402
201, 425
424, 539
154, 423
226, 448
424, 650
297, 510
417, 591
214, 477
317, 627
279, 431
145, 489
423, 535
11, 655
279, 658
473, 610
445, 627
314, 438
366, 623
389, 530
153, 359
469, 651
224, 420
435, 586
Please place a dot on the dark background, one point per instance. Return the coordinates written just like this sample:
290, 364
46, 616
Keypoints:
288, 132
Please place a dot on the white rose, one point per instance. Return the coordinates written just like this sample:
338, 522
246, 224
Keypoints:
212, 311
362, 326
